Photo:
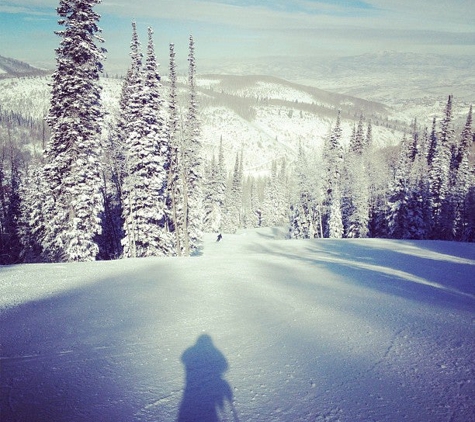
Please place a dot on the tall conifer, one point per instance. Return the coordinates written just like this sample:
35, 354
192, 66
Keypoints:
192, 164
72, 169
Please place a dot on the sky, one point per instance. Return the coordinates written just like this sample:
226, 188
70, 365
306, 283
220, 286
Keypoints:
241, 30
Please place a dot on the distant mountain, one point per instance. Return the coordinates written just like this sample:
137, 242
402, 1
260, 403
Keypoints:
390, 77
393, 59
277, 91
268, 118
13, 68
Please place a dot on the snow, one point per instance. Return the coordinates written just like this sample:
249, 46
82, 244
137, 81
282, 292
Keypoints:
292, 330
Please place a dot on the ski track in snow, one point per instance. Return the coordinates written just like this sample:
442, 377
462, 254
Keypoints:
324, 330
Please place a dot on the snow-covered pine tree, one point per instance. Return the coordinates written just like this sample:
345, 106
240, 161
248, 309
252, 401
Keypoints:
275, 207
10, 207
368, 143
254, 218
33, 193
270, 198
464, 180
220, 181
215, 193
156, 131
302, 210
419, 200
233, 203
192, 164
399, 213
466, 139
377, 171
333, 161
73, 168
115, 160
144, 192
335, 219
440, 178
432, 147
176, 223
131, 125
356, 196
283, 190
358, 142
414, 145
209, 219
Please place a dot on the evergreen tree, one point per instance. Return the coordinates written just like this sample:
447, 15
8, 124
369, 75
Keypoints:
255, 209
33, 215
192, 164
399, 212
275, 204
176, 223
72, 169
144, 193
432, 144
358, 142
335, 219
233, 205
215, 198
414, 145
333, 159
377, 171
303, 208
440, 177
419, 200
10, 204
466, 139
356, 198
369, 136
464, 179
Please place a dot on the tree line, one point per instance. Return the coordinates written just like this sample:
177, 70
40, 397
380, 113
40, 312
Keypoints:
136, 194
140, 187
422, 189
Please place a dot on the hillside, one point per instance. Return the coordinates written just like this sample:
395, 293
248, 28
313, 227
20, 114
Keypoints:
265, 117
275, 330
268, 117
12, 68
393, 78
265, 114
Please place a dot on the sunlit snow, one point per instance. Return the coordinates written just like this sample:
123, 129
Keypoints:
257, 328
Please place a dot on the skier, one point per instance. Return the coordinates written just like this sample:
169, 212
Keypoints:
219, 237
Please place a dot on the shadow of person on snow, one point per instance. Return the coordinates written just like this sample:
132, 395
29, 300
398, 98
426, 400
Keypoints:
206, 390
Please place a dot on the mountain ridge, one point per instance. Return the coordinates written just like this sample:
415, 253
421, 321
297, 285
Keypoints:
10, 67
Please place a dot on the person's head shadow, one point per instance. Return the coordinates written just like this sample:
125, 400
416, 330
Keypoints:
205, 391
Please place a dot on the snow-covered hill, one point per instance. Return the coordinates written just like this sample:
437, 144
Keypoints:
412, 84
275, 330
268, 117
264, 117
389, 77
14, 68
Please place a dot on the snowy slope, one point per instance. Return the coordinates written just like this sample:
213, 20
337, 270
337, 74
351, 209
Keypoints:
11, 68
324, 330
265, 117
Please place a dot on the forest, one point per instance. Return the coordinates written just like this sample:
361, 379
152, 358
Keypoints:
141, 185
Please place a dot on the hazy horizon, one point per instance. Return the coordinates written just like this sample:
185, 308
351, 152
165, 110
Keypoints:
249, 31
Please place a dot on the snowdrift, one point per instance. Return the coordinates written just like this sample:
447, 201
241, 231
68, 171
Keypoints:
257, 328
